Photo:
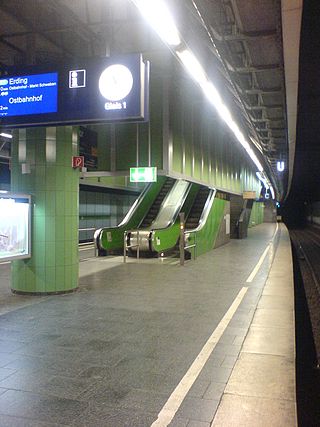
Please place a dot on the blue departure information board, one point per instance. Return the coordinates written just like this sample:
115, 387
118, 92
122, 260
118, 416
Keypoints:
31, 94
109, 89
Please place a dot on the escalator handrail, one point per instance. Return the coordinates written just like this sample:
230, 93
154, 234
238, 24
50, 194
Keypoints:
205, 212
134, 207
177, 207
144, 217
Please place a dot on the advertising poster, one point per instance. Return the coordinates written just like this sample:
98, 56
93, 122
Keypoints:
14, 228
88, 148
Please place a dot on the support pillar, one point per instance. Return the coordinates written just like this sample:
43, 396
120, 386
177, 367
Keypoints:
41, 166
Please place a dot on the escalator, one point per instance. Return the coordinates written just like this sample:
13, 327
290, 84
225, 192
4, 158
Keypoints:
109, 240
155, 207
166, 220
163, 237
194, 216
206, 218
154, 221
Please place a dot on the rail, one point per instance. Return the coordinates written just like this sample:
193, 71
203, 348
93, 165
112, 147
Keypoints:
308, 253
307, 243
93, 240
194, 245
182, 242
126, 247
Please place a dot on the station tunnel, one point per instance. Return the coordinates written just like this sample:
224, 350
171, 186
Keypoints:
159, 213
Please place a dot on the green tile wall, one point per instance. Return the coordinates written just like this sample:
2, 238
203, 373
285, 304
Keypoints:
53, 186
218, 158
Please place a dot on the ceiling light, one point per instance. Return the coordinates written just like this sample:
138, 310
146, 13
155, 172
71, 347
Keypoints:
214, 97
6, 135
159, 17
263, 180
212, 94
255, 160
193, 66
272, 192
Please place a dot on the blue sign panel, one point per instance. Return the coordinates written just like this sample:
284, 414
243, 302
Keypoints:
32, 94
98, 90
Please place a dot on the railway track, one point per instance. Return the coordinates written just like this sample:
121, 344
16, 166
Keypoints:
307, 244
307, 247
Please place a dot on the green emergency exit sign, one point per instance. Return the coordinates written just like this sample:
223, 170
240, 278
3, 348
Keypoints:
143, 174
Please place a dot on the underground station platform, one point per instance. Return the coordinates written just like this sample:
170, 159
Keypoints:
154, 343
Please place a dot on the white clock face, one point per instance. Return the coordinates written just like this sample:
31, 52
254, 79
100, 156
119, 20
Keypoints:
115, 82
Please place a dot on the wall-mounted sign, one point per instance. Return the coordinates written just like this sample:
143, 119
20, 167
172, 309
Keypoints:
15, 227
77, 162
97, 90
77, 78
31, 94
143, 174
249, 195
280, 165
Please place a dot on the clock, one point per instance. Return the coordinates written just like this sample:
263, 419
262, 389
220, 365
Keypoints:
115, 82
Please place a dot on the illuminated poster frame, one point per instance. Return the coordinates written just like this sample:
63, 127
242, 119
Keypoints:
110, 89
15, 226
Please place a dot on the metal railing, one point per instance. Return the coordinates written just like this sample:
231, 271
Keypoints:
194, 245
93, 239
182, 245
182, 241
126, 247
87, 229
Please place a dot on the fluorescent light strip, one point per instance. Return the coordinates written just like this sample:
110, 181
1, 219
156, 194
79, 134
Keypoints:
266, 183
197, 72
215, 99
159, 17
263, 180
193, 66
272, 192
6, 135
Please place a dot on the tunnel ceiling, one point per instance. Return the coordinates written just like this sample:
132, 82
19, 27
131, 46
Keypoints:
238, 41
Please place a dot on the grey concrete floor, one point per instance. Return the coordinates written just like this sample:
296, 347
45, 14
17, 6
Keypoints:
261, 390
112, 353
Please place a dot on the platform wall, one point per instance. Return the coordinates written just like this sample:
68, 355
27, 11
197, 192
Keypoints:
101, 209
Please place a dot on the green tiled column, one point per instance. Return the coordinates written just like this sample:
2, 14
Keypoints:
41, 166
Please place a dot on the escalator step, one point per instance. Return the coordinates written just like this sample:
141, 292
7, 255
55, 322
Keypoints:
155, 207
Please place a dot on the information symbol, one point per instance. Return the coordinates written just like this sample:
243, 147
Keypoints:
74, 79
77, 78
